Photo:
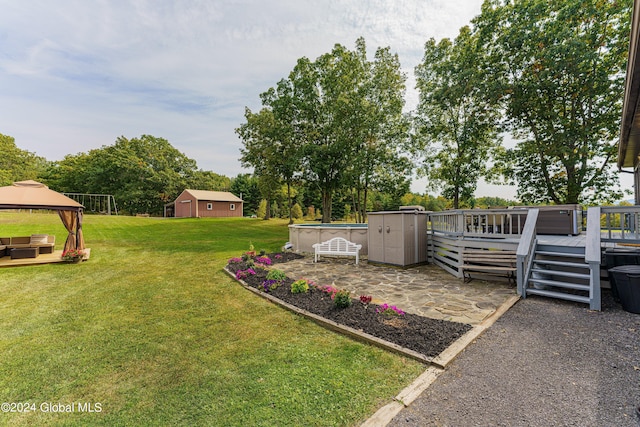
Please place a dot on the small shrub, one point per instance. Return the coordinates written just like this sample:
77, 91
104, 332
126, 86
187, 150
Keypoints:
262, 209
296, 211
278, 275
262, 252
300, 286
342, 299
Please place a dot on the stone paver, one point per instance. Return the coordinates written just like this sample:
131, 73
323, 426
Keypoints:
425, 290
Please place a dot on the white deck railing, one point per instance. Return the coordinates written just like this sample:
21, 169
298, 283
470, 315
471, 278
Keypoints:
502, 223
619, 223
526, 251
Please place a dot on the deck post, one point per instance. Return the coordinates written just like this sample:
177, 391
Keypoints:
525, 250
595, 298
592, 256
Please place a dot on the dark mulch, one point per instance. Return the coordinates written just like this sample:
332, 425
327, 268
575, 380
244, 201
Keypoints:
421, 334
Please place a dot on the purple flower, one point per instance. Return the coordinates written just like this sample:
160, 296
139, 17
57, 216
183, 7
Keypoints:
270, 284
241, 274
263, 260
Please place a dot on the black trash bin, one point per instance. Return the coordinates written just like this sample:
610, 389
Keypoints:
615, 257
627, 278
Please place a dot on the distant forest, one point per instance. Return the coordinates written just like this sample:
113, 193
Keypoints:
145, 173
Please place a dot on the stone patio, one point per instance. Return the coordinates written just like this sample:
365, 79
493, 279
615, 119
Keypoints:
425, 290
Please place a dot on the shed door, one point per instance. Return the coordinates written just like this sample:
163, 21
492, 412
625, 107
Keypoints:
393, 239
376, 238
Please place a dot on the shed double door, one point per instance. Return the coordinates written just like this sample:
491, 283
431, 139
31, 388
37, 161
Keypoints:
386, 239
398, 238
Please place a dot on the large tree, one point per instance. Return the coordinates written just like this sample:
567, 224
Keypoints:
456, 125
379, 130
269, 142
17, 164
262, 150
323, 91
558, 70
336, 121
245, 186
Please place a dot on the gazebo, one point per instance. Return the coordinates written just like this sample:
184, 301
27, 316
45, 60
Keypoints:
35, 195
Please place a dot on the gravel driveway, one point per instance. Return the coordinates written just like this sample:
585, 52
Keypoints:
544, 363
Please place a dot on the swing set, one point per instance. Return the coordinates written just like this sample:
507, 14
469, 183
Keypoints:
104, 204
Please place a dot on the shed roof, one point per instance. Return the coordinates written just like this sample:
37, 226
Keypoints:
216, 196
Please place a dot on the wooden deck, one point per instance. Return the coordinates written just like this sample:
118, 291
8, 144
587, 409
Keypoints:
54, 257
574, 241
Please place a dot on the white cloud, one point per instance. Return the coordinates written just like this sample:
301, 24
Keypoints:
75, 75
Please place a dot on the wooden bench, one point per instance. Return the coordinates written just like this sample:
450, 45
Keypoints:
337, 246
496, 263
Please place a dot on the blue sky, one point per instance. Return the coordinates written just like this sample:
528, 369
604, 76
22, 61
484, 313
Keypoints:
76, 74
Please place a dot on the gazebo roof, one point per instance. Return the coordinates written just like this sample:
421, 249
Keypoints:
35, 195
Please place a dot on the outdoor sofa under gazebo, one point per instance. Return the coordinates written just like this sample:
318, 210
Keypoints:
35, 195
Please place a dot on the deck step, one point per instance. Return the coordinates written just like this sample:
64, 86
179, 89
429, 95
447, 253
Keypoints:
560, 254
559, 295
557, 284
561, 263
561, 273
562, 249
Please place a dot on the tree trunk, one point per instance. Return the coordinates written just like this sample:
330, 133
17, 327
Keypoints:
355, 208
326, 206
364, 205
358, 206
290, 204
267, 214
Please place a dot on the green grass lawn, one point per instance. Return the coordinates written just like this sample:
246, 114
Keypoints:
151, 331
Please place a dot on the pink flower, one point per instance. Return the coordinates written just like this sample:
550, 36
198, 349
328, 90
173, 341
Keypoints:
389, 309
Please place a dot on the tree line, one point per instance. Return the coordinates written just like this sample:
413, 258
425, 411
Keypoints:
549, 74
145, 173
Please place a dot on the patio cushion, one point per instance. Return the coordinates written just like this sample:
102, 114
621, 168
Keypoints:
17, 241
39, 239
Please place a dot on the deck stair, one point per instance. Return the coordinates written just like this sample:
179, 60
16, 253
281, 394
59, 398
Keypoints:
560, 272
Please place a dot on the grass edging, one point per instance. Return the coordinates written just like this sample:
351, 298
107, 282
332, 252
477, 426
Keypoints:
346, 330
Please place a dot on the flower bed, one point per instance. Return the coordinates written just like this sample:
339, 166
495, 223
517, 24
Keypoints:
421, 334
